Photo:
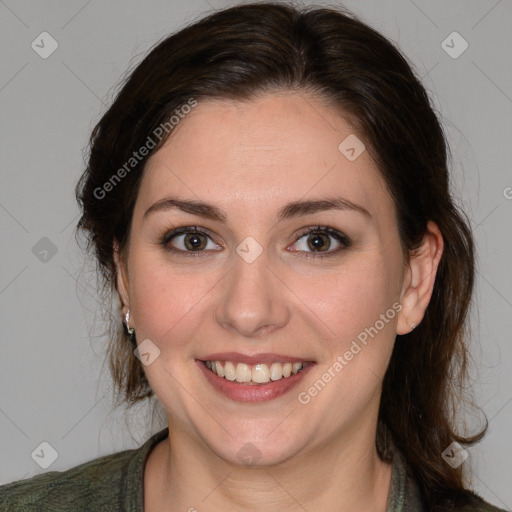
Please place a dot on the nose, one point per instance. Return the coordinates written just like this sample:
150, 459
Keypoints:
253, 299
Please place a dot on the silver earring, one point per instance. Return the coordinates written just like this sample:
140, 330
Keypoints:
131, 330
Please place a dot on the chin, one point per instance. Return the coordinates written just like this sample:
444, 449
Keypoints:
257, 447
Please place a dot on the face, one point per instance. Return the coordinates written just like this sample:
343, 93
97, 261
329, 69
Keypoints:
290, 253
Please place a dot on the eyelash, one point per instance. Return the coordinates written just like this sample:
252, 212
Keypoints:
340, 237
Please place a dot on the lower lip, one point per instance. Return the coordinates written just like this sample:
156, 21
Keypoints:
253, 392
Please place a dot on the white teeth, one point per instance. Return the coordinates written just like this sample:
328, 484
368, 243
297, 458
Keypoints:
276, 371
229, 371
220, 370
261, 374
243, 373
296, 367
258, 374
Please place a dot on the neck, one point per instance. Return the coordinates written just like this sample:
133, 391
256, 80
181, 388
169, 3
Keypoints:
344, 474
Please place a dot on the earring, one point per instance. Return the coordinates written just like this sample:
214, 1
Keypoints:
131, 330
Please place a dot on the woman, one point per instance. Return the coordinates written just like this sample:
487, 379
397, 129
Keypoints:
268, 197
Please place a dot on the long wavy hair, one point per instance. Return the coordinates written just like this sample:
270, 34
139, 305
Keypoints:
245, 51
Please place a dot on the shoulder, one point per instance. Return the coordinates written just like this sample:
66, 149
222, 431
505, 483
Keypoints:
406, 495
466, 501
109, 483
93, 483
476, 504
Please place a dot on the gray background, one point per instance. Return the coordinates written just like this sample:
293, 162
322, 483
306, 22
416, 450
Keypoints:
52, 383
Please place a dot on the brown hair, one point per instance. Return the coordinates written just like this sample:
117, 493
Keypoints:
244, 51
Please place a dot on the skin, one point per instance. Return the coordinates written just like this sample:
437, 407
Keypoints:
250, 159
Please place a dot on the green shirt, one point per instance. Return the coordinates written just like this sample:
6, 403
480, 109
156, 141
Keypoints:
116, 483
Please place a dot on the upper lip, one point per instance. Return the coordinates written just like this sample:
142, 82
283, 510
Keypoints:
267, 358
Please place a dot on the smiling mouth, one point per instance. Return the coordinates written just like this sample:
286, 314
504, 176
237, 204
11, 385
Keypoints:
260, 373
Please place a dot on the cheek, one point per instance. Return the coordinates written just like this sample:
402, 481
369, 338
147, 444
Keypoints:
166, 302
352, 298
359, 306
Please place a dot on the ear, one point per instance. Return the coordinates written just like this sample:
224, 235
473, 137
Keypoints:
123, 286
419, 279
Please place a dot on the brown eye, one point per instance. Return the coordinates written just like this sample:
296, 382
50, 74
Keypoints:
318, 241
188, 240
321, 241
194, 241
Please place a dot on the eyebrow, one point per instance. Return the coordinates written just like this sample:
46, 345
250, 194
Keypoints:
293, 209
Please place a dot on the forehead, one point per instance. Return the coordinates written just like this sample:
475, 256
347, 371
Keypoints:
262, 153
